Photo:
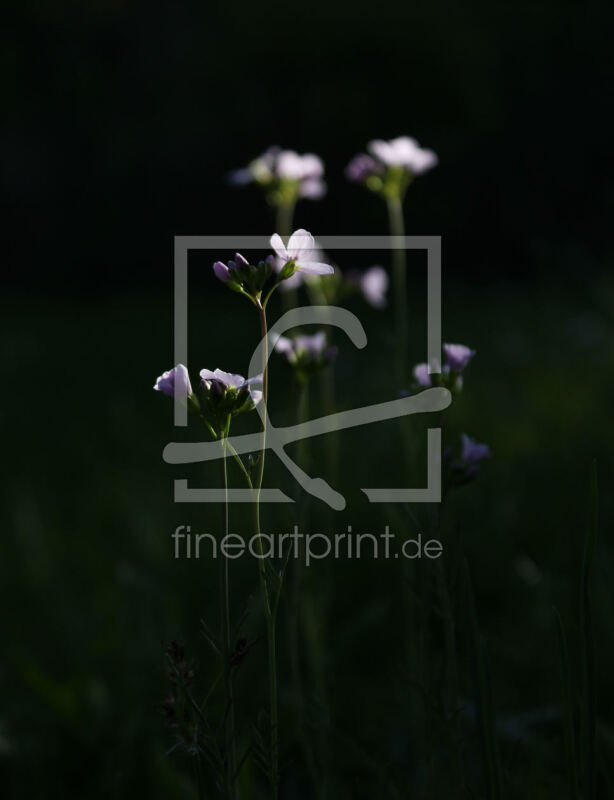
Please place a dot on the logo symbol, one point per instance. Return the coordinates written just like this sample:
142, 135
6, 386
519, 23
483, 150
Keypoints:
430, 400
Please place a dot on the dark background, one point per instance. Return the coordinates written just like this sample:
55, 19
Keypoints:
124, 118
120, 123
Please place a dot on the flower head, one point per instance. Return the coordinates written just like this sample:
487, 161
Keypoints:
403, 152
243, 277
472, 452
175, 382
306, 354
173, 379
285, 175
390, 166
465, 466
298, 254
422, 375
361, 167
457, 356
228, 394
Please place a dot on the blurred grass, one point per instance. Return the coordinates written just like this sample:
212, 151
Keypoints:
91, 591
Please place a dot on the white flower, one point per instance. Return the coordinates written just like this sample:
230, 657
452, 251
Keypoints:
403, 152
300, 249
219, 382
275, 165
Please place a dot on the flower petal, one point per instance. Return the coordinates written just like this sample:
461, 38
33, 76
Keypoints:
312, 166
174, 381
382, 150
312, 188
421, 375
283, 344
255, 379
301, 243
229, 378
314, 268
290, 165
278, 246
256, 396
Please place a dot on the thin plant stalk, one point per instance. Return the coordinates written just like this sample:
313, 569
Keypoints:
484, 699
568, 713
295, 617
269, 610
589, 704
284, 220
396, 223
229, 726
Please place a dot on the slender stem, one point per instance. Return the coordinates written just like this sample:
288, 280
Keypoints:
285, 218
283, 223
397, 228
269, 611
296, 576
229, 725
295, 619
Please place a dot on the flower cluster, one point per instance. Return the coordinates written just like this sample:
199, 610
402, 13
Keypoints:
298, 256
285, 175
226, 394
463, 467
390, 166
456, 358
306, 354
222, 394
243, 277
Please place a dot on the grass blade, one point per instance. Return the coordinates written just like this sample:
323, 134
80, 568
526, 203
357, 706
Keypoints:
589, 715
568, 714
484, 699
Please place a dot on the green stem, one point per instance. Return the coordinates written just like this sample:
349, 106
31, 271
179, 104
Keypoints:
294, 618
269, 611
284, 218
399, 267
229, 725
568, 713
283, 225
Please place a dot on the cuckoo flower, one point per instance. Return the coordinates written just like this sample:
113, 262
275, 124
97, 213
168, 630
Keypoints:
361, 167
422, 376
306, 354
175, 382
456, 358
472, 453
243, 277
299, 278
403, 152
228, 394
298, 255
391, 166
175, 378
285, 175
